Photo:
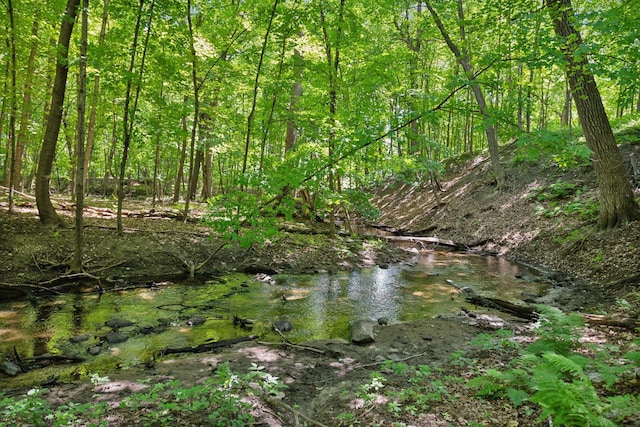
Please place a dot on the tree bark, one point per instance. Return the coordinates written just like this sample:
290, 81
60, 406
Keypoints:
46, 211
252, 112
95, 96
183, 155
465, 62
26, 108
296, 92
76, 263
617, 204
130, 112
13, 104
193, 174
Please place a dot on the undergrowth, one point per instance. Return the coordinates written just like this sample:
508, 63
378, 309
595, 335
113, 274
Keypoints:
570, 388
218, 401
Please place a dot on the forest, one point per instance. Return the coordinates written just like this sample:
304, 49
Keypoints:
151, 141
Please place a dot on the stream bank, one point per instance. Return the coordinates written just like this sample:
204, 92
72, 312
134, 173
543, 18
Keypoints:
592, 271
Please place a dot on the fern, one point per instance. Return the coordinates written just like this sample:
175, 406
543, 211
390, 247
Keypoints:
566, 393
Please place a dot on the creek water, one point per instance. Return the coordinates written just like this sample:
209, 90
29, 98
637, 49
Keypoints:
319, 306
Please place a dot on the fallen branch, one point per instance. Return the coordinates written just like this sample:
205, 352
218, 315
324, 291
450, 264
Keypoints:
202, 348
521, 311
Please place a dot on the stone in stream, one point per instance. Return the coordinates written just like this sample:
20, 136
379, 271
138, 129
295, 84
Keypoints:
383, 321
362, 331
117, 323
95, 350
196, 320
10, 368
116, 337
79, 338
282, 325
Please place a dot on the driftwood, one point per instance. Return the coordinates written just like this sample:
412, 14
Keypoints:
521, 311
202, 348
435, 241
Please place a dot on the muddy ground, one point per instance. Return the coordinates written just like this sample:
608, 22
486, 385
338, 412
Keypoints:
590, 272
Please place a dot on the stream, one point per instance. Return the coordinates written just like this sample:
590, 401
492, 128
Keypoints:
319, 306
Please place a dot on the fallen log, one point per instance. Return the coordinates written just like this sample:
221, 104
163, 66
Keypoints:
435, 241
203, 348
521, 311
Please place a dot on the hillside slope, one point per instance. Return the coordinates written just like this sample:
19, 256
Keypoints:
544, 217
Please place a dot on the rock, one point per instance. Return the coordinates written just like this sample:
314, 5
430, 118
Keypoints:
79, 338
383, 321
95, 350
196, 320
10, 368
264, 278
362, 331
116, 337
383, 266
282, 325
117, 323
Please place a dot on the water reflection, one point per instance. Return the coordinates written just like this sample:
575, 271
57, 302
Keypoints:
319, 306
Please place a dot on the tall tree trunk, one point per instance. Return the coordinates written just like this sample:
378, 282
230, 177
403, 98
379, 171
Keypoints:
76, 263
46, 211
13, 104
256, 86
193, 174
617, 204
26, 108
183, 155
95, 97
333, 66
296, 92
130, 111
463, 59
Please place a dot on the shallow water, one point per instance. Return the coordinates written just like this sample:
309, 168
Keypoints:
319, 306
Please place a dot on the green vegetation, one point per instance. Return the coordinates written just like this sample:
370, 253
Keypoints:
219, 400
553, 372
558, 376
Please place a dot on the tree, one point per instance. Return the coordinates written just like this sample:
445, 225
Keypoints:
463, 58
76, 263
46, 211
617, 204
130, 107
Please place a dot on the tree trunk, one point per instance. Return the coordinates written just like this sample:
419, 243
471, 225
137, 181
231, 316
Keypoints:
296, 92
76, 263
129, 114
617, 204
333, 66
183, 155
463, 59
26, 108
46, 211
193, 174
252, 112
95, 97
14, 107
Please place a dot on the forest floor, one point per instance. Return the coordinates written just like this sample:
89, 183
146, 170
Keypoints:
534, 220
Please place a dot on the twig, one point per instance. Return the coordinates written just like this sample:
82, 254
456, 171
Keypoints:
283, 405
384, 361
